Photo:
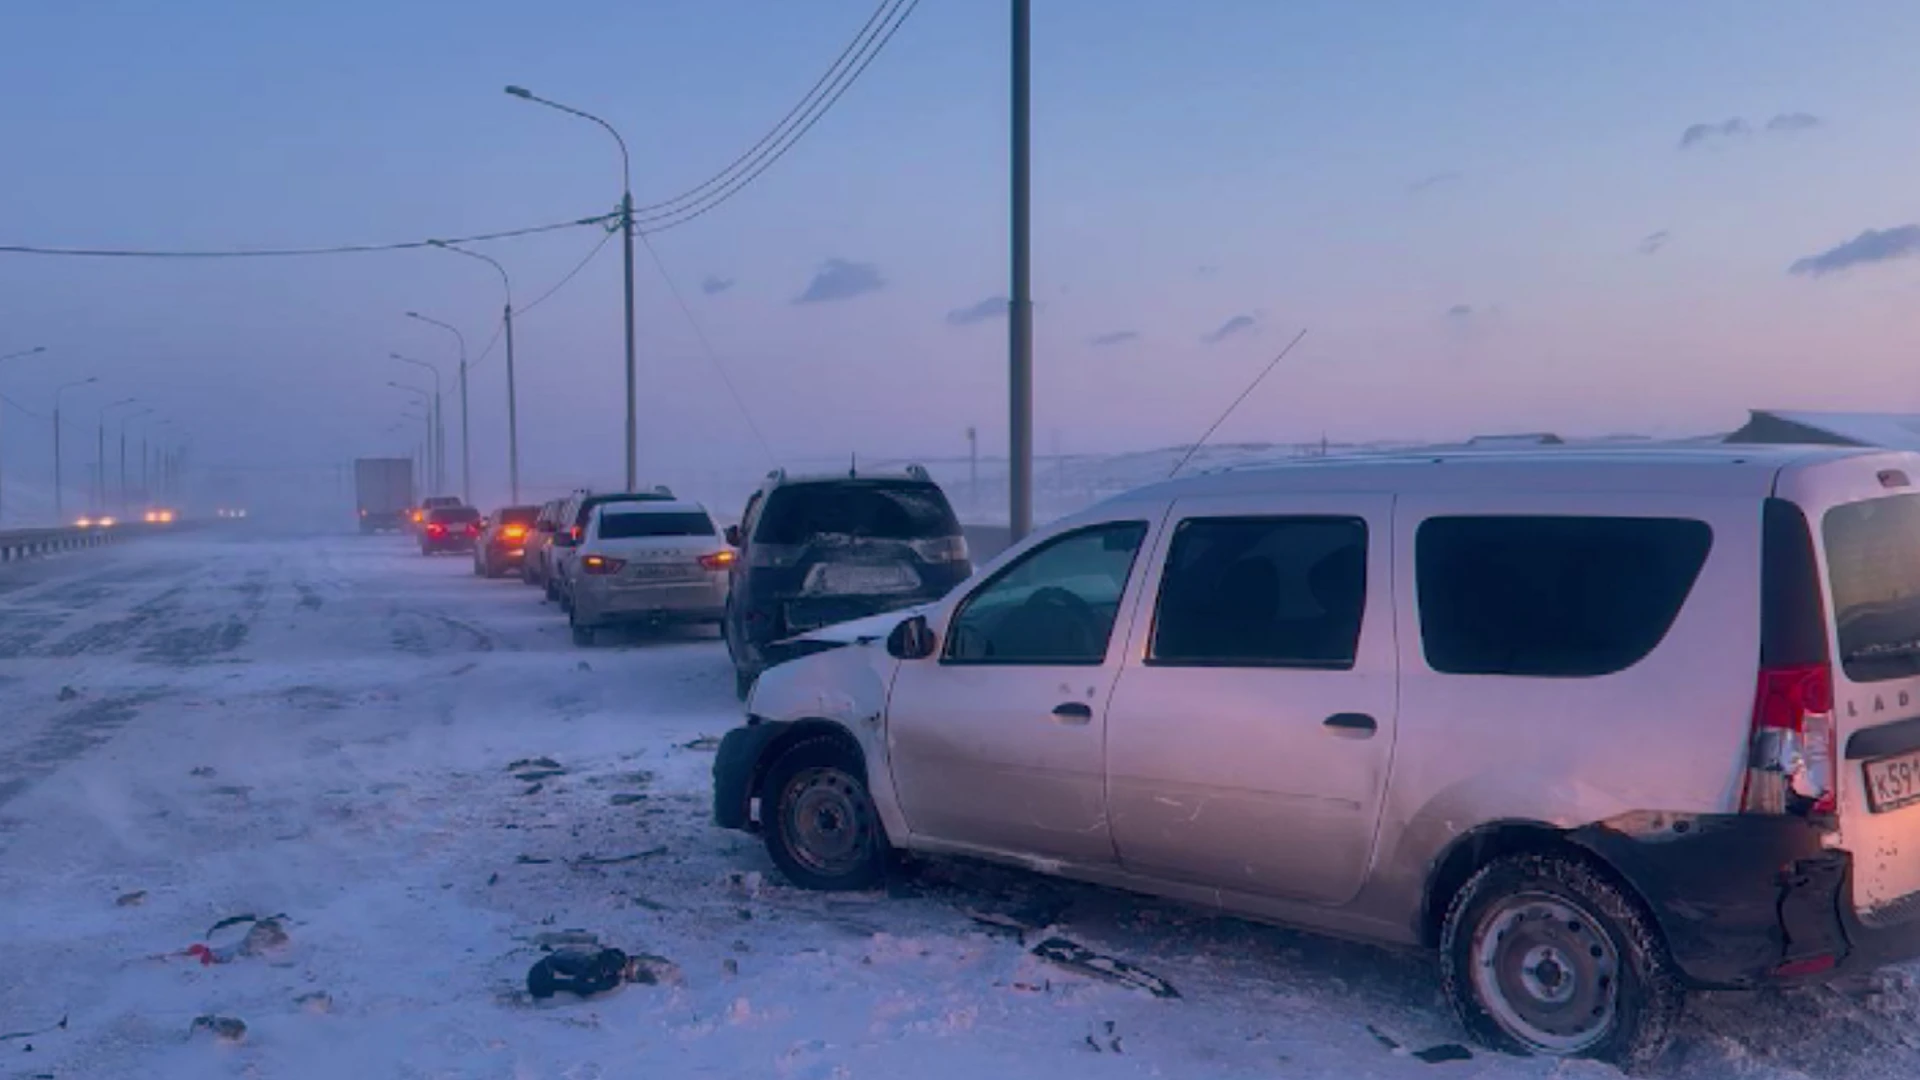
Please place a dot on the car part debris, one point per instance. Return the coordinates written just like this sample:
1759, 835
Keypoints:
577, 971
132, 899
1076, 957
225, 1028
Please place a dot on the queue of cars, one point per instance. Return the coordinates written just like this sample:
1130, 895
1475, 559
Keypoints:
1599, 728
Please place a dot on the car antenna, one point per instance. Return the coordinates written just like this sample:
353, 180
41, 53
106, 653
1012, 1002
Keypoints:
1264, 372
853, 465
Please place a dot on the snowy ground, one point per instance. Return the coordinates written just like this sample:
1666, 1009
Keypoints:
210, 725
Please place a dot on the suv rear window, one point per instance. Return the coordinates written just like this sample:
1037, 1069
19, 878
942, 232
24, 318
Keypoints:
875, 510
1873, 568
1561, 597
519, 515
454, 515
630, 526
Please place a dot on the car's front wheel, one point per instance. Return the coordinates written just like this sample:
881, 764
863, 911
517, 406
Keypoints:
1545, 954
819, 822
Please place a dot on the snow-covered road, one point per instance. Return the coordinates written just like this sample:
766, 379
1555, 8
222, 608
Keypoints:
222, 724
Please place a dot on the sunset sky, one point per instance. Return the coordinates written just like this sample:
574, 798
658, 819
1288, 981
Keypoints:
1632, 216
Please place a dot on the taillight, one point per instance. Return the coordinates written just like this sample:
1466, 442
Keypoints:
514, 532
436, 530
600, 564
945, 549
719, 560
576, 533
473, 530
1790, 762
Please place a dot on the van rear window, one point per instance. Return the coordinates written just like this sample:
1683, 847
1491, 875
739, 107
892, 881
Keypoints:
1873, 568
1552, 597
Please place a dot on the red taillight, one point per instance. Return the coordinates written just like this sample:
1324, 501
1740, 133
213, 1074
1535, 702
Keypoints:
600, 564
576, 532
1790, 763
473, 530
436, 530
719, 560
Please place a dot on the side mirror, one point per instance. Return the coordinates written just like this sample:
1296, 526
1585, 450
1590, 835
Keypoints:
733, 536
911, 640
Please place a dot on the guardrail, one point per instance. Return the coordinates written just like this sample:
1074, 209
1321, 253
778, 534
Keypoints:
18, 544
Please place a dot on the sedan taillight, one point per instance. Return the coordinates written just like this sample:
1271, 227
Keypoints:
719, 560
600, 564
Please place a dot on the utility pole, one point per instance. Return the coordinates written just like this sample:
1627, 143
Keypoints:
626, 232
59, 483
1020, 307
973, 468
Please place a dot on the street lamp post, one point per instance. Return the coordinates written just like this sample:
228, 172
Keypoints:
426, 407
1020, 306
626, 232
37, 349
100, 455
436, 459
466, 443
59, 490
506, 321
124, 421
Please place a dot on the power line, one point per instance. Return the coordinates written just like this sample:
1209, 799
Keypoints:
777, 129
571, 274
340, 249
712, 357
23, 408
682, 215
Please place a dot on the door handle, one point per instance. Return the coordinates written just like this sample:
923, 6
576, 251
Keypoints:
1073, 712
1351, 725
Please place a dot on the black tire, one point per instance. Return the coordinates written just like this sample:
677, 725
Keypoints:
1602, 984
553, 594
844, 847
583, 636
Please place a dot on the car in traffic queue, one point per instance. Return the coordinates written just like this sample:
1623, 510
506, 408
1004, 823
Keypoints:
818, 550
428, 505
1601, 728
570, 527
450, 530
535, 559
652, 562
502, 543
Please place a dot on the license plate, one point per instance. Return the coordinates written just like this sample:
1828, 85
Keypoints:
866, 579
1893, 782
645, 572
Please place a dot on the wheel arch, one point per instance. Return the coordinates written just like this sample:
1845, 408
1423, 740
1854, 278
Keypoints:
1473, 850
793, 734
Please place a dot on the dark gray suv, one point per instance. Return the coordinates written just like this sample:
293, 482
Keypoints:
818, 550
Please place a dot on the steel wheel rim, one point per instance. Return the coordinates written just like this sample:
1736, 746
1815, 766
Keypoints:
1546, 972
825, 823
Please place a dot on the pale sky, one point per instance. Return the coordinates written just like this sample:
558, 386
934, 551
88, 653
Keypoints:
1489, 215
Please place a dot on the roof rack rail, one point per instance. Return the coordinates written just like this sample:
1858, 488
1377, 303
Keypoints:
919, 472
662, 489
777, 475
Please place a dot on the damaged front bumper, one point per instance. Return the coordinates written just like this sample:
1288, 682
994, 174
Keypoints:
1749, 900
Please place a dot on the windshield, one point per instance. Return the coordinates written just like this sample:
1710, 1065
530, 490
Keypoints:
670, 523
1873, 567
874, 510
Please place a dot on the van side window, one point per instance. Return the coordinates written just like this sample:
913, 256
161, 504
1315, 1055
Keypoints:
1555, 597
1056, 605
1262, 592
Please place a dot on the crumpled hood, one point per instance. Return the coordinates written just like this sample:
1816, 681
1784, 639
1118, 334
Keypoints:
871, 628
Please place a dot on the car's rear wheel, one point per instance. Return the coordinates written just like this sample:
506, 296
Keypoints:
819, 822
1545, 954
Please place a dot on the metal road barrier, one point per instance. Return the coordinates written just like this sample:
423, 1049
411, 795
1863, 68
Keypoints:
18, 544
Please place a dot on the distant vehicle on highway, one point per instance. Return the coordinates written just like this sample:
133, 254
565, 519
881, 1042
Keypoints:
428, 505
646, 561
450, 529
817, 550
158, 515
383, 493
571, 525
503, 540
227, 512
